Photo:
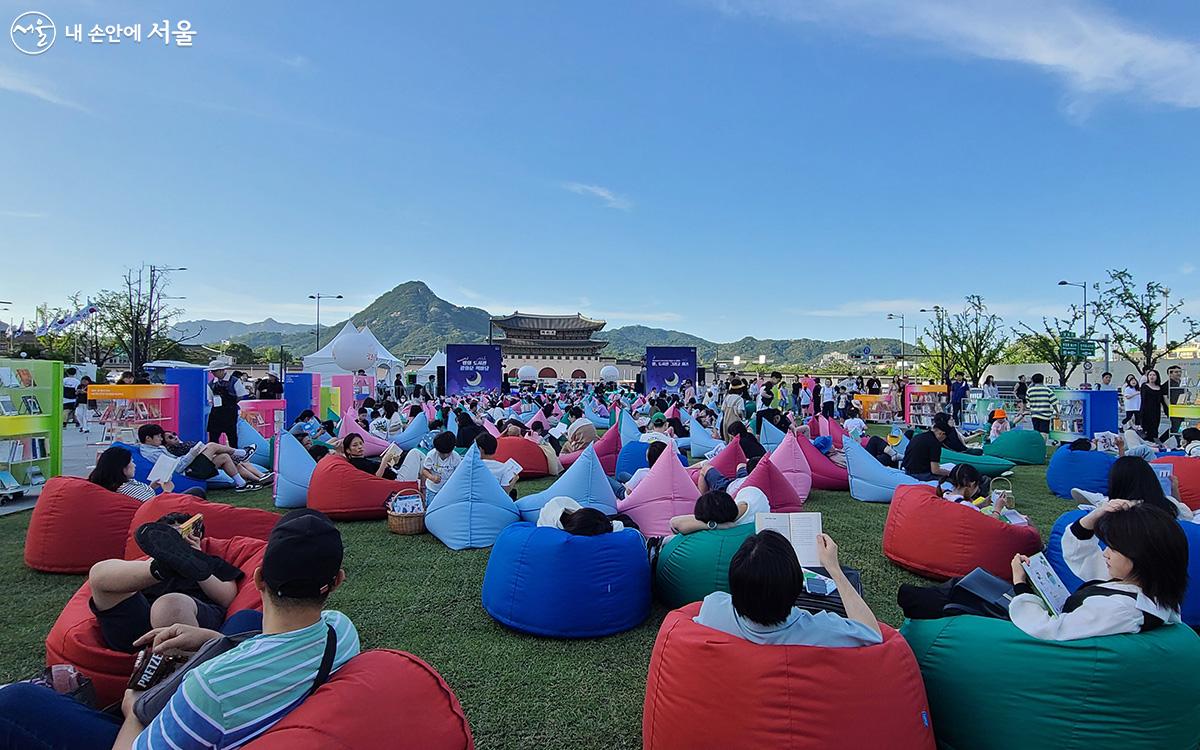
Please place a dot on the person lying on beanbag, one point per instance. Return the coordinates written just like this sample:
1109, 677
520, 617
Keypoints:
715, 509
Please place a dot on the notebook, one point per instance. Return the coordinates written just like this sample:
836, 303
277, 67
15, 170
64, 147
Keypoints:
801, 529
163, 469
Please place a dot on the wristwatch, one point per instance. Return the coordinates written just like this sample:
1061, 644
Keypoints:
712, 524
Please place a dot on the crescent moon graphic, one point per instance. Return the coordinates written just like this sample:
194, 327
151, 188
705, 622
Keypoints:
475, 379
672, 381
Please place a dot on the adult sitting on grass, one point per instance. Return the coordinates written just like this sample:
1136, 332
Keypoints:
351, 448
764, 581
716, 509
232, 698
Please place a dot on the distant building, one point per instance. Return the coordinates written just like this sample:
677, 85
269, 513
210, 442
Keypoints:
561, 347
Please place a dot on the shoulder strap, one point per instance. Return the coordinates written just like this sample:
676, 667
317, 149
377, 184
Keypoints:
326, 660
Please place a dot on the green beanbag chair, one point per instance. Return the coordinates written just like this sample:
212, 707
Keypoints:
991, 687
1024, 447
989, 466
692, 566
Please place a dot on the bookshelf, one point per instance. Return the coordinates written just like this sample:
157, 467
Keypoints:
125, 408
976, 408
875, 408
921, 402
264, 415
31, 397
1081, 414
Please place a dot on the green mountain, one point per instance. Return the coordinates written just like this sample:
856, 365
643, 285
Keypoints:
411, 319
215, 331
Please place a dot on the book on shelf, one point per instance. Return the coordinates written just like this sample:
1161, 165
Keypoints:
7, 408
8, 481
31, 405
34, 476
25, 378
142, 411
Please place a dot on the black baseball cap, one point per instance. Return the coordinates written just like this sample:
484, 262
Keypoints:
304, 555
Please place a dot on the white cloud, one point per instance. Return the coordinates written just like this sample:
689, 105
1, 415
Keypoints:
611, 199
298, 62
1092, 51
25, 214
1187, 268
21, 83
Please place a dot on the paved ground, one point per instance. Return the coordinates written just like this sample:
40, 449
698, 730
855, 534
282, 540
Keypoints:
79, 455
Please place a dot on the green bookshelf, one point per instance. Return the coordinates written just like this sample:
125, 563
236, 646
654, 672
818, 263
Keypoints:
31, 413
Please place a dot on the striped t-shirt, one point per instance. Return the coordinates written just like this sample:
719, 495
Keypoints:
230, 700
1041, 401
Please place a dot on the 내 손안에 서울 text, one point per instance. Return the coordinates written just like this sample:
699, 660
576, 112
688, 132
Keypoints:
34, 33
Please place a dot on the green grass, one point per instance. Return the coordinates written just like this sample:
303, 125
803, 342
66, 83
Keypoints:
412, 593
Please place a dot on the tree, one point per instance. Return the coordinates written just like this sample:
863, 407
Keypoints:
138, 318
1046, 345
242, 354
933, 352
1134, 318
974, 339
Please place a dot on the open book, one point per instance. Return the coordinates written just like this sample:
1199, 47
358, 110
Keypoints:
163, 469
557, 431
1046, 583
1164, 472
392, 455
801, 529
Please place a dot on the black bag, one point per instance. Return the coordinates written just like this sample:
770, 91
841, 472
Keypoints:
980, 593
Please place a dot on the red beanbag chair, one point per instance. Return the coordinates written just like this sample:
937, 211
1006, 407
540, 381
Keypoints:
1188, 471
76, 524
345, 493
525, 452
941, 539
379, 698
707, 689
221, 521
75, 638
825, 473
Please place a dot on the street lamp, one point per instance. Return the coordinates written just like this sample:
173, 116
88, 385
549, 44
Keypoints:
900, 317
1082, 285
939, 313
318, 297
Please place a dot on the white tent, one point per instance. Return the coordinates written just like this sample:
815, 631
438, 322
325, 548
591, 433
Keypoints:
430, 368
322, 362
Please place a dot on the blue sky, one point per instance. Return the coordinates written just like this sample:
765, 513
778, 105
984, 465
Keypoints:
725, 167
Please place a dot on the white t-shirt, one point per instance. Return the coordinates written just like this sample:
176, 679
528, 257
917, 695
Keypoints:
755, 500
443, 466
637, 477
70, 382
855, 425
505, 472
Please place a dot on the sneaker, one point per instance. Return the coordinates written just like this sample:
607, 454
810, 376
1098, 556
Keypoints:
170, 553
1091, 498
267, 478
249, 451
247, 487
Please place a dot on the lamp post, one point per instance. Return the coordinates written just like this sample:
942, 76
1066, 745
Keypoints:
151, 313
318, 297
900, 317
1086, 336
939, 313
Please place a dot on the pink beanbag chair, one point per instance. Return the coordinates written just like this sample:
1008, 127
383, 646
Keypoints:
941, 539
373, 446
826, 475
837, 432
608, 447
380, 698
525, 452
76, 524
757, 696
76, 639
818, 426
345, 493
789, 459
780, 493
221, 521
665, 492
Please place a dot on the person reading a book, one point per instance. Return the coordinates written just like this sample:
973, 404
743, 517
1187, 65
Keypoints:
716, 509
765, 579
1136, 583
352, 449
965, 486
711, 479
114, 472
199, 461
439, 465
922, 458
505, 472
1131, 478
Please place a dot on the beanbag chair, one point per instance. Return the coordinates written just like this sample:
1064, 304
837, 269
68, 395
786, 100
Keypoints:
345, 493
472, 508
584, 482
377, 684
590, 414
940, 539
221, 521
780, 493
664, 493
633, 457
1087, 470
417, 429
76, 639
1190, 611
692, 566
247, 436
491, 428
708, 689
1188, 472
294, 468
1024, 447
544, 581
989, 466
836, 432
1066, 696
373, 445
726, 462
525, 452
182, 482
451, 422
703, 442
789, 459
627, 428
76, 524
826, 475
607, 449
871, 481
771, 436
818, 425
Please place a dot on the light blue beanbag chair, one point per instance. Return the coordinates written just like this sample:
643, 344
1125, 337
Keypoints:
772, 437
451, 422
584, 482
544, 581
633, 457
247, 436
703, 442
417, 429
589, 411
627, 428
1087, 470
871, 481
293, 471
471, 509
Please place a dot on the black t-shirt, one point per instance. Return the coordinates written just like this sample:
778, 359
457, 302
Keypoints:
923, 450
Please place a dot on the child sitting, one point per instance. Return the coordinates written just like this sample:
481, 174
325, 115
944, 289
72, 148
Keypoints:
998, 420
966, 488
854, 423
506, 472
439, 464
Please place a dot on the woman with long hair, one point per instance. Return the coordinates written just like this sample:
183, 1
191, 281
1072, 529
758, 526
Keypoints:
1154, 403
1131, 394
114, 472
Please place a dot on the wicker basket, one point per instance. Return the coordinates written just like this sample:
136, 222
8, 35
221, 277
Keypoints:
407, 524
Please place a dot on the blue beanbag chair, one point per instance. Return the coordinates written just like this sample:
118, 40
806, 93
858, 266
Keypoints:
589, 411
703, 442
1087, 470
247, 436
544, 581
293, 471
871, 481
633, 457
1190, 611
771, 437
142, 467
417, 429
472, 508
584, 482
627, 428
451, 422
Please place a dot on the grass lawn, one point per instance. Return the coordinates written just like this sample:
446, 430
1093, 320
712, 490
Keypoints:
412, 593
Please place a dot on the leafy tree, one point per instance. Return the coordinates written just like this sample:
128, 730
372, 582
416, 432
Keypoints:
1135, 317
974, 339
242, 354
1045, 345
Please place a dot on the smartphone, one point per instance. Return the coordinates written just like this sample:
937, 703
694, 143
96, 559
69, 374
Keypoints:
194, 526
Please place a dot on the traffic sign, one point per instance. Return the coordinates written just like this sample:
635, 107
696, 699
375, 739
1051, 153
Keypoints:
1087, 366
866, 351
1069, 346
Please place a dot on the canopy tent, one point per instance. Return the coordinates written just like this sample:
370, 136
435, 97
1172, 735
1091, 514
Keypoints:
323, 363
430, 367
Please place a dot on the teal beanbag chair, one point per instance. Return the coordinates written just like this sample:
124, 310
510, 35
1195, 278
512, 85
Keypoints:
989, 466
1024, 447
992, 687
692, 566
